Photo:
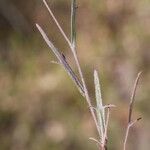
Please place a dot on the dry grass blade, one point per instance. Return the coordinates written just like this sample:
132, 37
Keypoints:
100, 108
81, 86
73, 23
133, 96
130, 122
62, 60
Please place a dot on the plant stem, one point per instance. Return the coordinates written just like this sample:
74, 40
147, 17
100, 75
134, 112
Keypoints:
77, 63
132, 100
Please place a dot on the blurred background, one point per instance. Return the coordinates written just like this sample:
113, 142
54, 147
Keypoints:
40, 108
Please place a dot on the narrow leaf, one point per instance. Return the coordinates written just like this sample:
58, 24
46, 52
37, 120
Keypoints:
100, 108
73, 23
62, 60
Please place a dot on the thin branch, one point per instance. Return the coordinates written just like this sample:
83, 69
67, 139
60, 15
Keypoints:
104, 141
132, 100
73, 23
127, 131
62, 60
87, 94
57, 24
78, 65
73, 48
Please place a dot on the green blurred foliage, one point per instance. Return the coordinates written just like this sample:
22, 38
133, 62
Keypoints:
40, 108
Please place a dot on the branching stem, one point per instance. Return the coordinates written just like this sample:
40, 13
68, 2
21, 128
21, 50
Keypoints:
77, 63
132, 100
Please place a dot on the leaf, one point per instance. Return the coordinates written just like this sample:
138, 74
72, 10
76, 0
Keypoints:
73, 23
100, 109
62, 60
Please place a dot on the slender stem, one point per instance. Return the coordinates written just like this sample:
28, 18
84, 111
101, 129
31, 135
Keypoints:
126, 137
73, 47
77, 63
73, 22
62, 61
104, 141
57, 24
86, 92
127, 132
133, 96
132, 100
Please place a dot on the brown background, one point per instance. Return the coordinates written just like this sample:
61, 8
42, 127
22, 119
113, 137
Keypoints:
40, 108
